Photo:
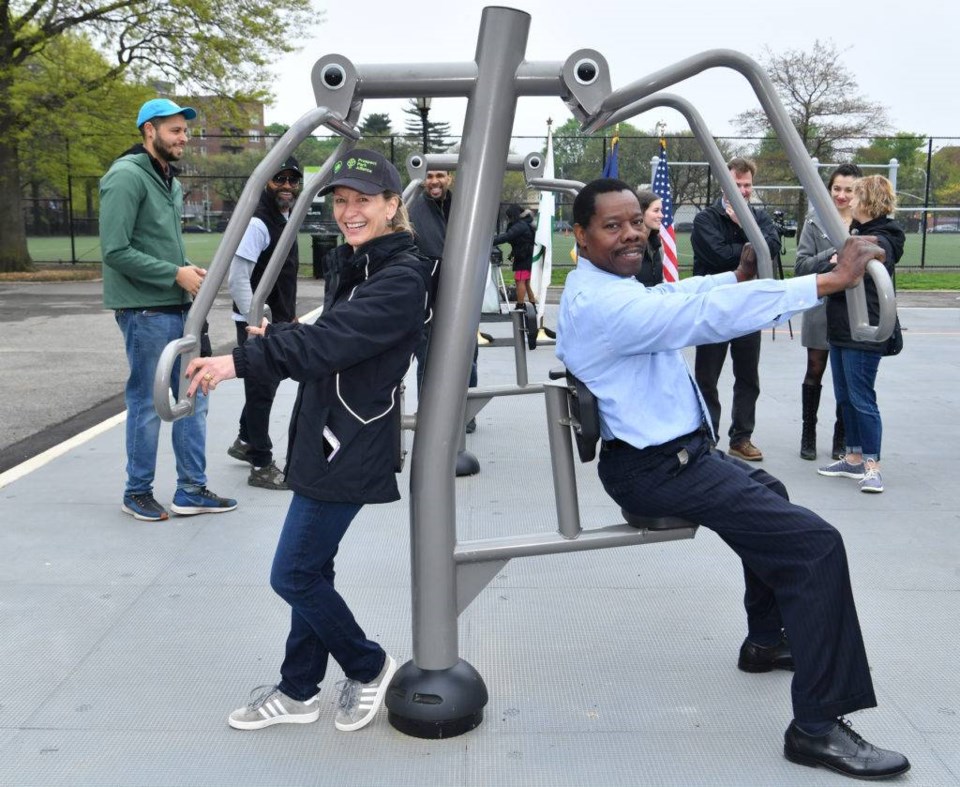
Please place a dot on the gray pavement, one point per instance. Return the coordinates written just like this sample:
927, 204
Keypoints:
125, 644
62, 363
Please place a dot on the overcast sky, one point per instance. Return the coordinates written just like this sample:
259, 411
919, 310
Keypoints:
903, 56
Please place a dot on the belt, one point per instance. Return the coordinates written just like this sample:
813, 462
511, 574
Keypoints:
668, 447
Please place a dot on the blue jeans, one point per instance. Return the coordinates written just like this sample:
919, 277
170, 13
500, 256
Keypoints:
321, 624
854, 387
145, 334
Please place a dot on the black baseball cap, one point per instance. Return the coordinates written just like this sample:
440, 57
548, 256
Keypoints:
365, 171
291, 165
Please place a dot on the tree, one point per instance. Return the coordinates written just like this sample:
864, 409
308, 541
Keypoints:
908, 149
46, 157
580, 157
821, 97
222, 48
945, 176
436, 132
377, 124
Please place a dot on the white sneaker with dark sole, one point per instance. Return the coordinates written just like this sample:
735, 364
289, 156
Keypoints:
271, 706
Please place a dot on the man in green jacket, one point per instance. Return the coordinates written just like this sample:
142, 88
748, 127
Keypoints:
150, 285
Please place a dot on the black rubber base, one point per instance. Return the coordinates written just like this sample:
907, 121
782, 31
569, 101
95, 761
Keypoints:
436, 703
467, 464
530, 319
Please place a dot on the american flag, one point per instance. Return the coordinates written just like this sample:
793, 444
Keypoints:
661, 187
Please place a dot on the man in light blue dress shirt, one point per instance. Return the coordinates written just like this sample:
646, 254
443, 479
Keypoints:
658, 459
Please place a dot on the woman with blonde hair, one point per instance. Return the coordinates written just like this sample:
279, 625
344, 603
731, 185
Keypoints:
854, 363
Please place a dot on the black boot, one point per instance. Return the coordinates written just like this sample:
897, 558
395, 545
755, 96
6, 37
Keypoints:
810, 399
839, 437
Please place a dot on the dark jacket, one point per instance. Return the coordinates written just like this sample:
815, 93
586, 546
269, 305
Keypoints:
349, 366
891, 239
429, 219
718, 241
651, 266
282, 299
520, 235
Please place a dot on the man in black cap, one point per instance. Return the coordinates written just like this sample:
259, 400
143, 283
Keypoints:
253, 444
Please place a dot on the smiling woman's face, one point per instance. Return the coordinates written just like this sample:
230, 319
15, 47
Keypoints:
362, 217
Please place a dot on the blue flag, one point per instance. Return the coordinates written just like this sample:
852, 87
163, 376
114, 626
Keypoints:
611, 167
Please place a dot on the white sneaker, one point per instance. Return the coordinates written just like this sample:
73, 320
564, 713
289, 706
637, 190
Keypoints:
271, 706
359, 702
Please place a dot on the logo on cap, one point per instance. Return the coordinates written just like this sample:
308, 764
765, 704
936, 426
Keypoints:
337, 167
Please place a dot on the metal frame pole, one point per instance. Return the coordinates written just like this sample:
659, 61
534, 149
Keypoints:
458, 694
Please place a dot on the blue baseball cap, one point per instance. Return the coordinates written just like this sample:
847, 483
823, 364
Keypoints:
162, 108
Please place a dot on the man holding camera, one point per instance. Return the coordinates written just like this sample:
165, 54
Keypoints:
718, 241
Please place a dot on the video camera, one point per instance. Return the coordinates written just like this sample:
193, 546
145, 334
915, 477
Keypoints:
781, 225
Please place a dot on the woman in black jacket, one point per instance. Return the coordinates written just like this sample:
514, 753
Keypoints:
651, 267
854, 363
520, 235
343, 436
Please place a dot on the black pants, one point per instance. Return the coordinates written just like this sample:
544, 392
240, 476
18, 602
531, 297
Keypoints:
255, 416
745, 353
794, 563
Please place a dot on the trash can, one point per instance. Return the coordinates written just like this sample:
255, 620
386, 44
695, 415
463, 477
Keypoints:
324, 241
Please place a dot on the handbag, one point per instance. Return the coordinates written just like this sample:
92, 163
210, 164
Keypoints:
895, 342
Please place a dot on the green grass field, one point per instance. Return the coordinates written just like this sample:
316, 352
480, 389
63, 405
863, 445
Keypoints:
943, 252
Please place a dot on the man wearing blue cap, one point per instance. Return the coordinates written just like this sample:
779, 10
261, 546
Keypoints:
150, 285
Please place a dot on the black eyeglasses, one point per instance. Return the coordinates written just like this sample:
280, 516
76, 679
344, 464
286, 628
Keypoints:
293, 180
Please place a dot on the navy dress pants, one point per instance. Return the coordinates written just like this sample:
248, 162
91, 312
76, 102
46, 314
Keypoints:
794, 562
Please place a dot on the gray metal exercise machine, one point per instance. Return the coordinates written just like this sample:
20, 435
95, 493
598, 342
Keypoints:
438, 694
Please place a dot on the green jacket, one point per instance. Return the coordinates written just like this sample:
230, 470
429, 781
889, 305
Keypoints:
140, 235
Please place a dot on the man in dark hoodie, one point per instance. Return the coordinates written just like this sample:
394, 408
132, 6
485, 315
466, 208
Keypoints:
253, 444
150, 285
429, 214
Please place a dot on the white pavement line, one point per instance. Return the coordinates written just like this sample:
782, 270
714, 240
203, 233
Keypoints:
38, 461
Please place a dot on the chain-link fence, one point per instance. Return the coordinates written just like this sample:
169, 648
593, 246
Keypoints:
925, 172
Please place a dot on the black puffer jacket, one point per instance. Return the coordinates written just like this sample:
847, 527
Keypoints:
891, 239
521, 237
349, 366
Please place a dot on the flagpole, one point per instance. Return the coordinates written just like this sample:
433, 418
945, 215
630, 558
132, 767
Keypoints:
546, 208
661, 187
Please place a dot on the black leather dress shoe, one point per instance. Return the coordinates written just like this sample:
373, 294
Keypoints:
843, 751
760, 658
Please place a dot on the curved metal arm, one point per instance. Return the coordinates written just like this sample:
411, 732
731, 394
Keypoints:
288, 237
747, 220
571, 187
220, 264
414, 187
796, 152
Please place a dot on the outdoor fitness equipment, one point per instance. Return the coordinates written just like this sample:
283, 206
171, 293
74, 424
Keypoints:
438, 694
